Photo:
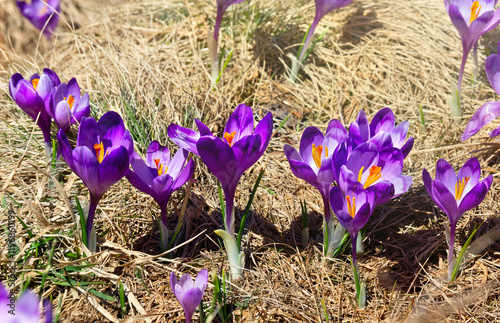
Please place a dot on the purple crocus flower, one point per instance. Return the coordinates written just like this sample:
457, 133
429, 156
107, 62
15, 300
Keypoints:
25, 310
372, 168
353, 209
382, 131
189, 293
490, 110
323, 7
43, 14
222, 6
66, 106
472, 19
230, 157
100, 158
30, 96
160, 175
314, 164
456, 193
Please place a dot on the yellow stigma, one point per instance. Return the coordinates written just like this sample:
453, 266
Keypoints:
35, 83
229, 137
316, 153
99, 151
372, 177
460, 186
70, 100
351, 208
159, 167
474, 11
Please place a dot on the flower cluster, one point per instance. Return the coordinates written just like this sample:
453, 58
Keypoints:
365, 162
44, 98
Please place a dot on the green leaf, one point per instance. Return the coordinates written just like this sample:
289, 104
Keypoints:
461, 255
247, 209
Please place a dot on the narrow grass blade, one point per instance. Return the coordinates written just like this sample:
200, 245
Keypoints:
247, 209
461, 255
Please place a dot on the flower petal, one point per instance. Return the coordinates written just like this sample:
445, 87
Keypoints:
184, 137
265, 129
220, 160
475, 196
445, 201
484, 115
311, 135
492, 67
384, 121
240, 122
247, 151
446, 175
201, 279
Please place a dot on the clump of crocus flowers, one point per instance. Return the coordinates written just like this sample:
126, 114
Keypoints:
365, 162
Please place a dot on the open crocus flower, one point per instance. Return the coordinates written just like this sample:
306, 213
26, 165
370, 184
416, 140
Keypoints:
26, 309
100, 158
30, 96
160, 176
353, 208
314, 165
456, 193
382, 131
189, 293
43, 14
228, 158
490, 110
472, 19
323, 7
66, 106
374, 169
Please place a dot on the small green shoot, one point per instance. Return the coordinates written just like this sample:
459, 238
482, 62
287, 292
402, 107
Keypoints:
461, 255
83, 222
247, 209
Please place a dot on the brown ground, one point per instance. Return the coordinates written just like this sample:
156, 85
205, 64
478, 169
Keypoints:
149, 61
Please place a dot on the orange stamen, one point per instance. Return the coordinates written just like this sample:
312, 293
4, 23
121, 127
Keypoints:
99, 150
474, 11
373, 176
159, 167
460, 186
229, 137
316, 153
35, 83
351, 208
71, 101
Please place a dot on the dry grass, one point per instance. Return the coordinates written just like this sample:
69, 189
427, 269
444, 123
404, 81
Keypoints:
148, 60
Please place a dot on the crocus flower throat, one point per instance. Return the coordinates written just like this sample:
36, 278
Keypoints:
474, 11
460, 186
70, 100
99, 151
351, 208
159, 167
316, 153
372, 177
230, 137
35, 83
